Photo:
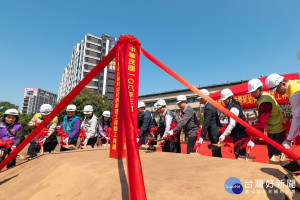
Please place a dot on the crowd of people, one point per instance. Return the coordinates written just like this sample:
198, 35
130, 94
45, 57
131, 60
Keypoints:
165, 133
91, 131
269, 118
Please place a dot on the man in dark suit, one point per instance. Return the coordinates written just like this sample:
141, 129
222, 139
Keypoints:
211, 125
147, 122
188, 122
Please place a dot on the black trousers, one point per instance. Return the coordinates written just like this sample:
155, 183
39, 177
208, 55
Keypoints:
74, 142
92, 141
214, 139
277, 137
49, 146
237, 149
7, 152
191, 144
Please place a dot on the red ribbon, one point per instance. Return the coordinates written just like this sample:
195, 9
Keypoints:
198, 135
152, 131
168, 136
287, 125
63, 136
81, 134
6, 143
108, 131
222, 130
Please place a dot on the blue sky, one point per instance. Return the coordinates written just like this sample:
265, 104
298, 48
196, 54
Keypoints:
206, 42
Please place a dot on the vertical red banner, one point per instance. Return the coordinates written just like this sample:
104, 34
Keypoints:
127, 66
127, 58
117, 147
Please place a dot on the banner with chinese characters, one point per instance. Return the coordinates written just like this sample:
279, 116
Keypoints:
240, 92
248, 102
127, 62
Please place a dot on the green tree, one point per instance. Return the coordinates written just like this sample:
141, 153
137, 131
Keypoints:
4, 105
99, 102
24, 119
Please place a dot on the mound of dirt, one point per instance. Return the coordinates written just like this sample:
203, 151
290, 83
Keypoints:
91, 174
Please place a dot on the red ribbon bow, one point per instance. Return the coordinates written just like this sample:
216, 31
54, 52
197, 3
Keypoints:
63, 136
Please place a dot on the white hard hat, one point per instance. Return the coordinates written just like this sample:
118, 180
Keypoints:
88, 109
45, 109
155, 107
254, 84
273, 81
71, 107
205, 91
160, 103
141, 104
11, 112
225, 93
106, 113
181, 98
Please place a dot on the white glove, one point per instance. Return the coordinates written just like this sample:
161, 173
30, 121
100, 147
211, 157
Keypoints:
39, 121
43, 140
85, 142
171, 132
200, 140
137, 140
287, 144
222, 138
107, 138
66, 141
250, 144
58, 127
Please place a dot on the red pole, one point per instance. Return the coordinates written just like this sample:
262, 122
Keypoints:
96, 70
218, 106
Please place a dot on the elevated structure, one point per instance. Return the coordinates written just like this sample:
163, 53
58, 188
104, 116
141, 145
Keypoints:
85, 56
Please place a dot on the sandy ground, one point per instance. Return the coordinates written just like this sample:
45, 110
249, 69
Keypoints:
91, 174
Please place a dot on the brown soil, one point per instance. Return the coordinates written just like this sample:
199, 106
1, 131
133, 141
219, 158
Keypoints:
91, 174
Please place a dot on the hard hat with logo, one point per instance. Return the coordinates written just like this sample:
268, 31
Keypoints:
46, 109
141, 104
254, 84
71, 107
181, 98
155, 107
273, 81
225, 93
161, 103
205, 91
11, 112
88, 109
106, 113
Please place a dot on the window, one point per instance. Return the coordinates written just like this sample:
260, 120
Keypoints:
99, 48
86, 59
86, 67
99, 41
88, 44
88, 37
87, 52
99, 55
